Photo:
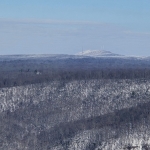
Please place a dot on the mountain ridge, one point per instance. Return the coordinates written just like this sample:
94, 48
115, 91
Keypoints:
98, 53
83, 54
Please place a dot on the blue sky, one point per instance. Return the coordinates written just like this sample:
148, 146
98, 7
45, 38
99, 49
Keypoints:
56, 26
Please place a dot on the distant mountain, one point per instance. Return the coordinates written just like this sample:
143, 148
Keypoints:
98, 53
39, 57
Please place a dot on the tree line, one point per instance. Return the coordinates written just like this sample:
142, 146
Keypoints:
16, 78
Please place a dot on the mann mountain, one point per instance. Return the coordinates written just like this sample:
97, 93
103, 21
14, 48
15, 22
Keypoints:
98, 53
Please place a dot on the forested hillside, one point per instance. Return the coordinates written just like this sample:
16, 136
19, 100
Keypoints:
75, 106
21, 70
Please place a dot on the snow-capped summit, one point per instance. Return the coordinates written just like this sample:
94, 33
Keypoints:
98, 53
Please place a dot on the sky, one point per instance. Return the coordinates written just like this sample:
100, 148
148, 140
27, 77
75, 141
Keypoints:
70, 26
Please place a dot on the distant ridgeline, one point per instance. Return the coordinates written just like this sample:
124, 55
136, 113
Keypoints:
22, 70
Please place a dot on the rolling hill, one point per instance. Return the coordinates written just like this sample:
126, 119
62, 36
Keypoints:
74, 102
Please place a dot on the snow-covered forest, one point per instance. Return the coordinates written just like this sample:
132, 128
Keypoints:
74, 114
76, 111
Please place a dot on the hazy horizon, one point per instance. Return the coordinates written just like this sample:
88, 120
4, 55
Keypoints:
68, 27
